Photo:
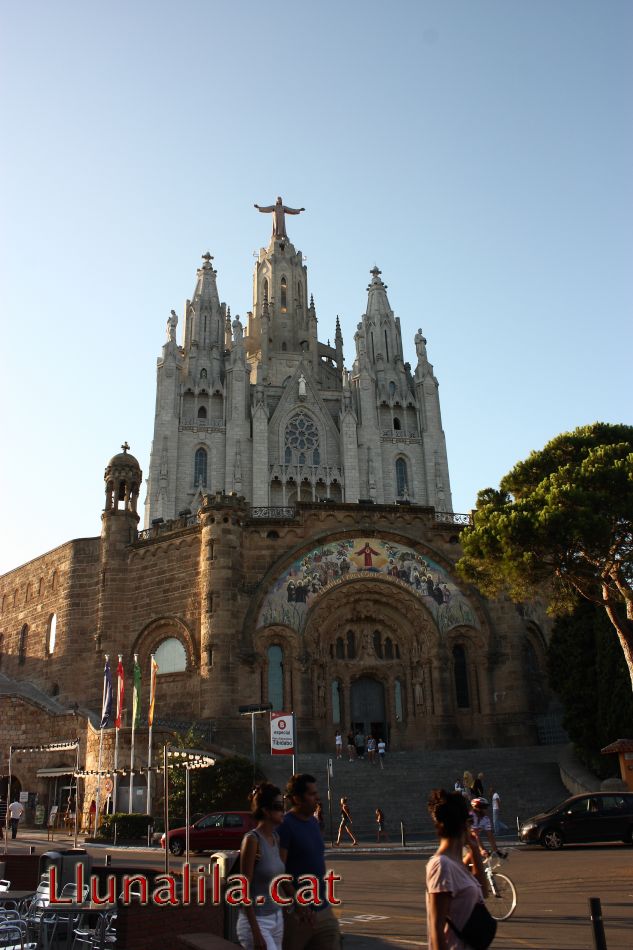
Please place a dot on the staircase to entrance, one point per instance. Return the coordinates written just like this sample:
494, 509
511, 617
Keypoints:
527, 779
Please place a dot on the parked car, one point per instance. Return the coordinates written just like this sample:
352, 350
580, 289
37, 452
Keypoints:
220, 831
600, 816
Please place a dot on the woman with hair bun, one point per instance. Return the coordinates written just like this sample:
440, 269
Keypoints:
452, 888
260, 926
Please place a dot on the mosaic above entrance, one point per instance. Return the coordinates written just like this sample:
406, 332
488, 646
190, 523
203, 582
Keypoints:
290, 598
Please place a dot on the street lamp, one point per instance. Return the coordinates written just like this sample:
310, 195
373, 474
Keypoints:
252, 710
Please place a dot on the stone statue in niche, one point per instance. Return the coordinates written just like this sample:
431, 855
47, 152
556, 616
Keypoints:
302, 387
418, 693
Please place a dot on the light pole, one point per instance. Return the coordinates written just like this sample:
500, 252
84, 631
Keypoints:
252, 710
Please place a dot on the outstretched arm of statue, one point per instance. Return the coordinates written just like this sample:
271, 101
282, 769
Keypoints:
266, 210
293, 210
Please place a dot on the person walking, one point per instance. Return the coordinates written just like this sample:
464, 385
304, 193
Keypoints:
452, 890
260, 924
303, 852
380, 826
345, 823
478, 786
351, 748
497, 825
338, 743
359, 742
16, 810
371, 749
382, 748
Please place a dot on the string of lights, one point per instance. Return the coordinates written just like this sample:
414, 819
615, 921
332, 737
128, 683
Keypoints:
47, 747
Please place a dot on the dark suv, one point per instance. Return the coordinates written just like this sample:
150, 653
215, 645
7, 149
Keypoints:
600, 816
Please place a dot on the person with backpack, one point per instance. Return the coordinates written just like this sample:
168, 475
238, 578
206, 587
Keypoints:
457, 917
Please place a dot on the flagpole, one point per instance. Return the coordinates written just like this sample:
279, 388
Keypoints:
135, 701
100, 755
117, 723
152, 687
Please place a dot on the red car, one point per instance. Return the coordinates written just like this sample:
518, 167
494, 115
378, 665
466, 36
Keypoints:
221, 831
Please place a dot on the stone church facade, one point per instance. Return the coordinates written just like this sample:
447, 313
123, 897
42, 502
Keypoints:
299, 548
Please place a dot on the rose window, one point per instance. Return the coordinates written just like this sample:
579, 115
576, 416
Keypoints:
302, 441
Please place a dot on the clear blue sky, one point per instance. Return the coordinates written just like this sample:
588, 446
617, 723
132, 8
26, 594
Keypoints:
479, 152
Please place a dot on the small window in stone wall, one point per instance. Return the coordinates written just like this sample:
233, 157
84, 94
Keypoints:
340, 649
24, 634
52, 634
171, 657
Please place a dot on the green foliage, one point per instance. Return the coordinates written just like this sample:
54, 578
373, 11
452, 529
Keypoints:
588, 671
225, 785
128, 827
561, 526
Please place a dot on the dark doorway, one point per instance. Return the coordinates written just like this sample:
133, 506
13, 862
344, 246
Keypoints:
368, 706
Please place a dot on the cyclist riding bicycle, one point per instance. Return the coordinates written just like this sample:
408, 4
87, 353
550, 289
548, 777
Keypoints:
481, 823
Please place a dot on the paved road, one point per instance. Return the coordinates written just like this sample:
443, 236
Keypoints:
383, 895
552, 910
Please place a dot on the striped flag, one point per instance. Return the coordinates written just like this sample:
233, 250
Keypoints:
120, 692
152, 689
136, 696
106, 710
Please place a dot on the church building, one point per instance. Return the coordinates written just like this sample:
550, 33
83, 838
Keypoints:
298, 548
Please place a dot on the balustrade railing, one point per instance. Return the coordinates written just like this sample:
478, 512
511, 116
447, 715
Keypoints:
273, 513
453, 518
202, 423
399, 434
174, 524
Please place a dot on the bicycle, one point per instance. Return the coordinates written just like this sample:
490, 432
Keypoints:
502, 896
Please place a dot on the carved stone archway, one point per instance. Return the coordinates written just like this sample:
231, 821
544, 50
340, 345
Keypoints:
369, 629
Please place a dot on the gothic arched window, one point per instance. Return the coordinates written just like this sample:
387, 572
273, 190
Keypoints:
284, 295
276, 677
460, 672
52, 634
388, 649
203, 374
24, 635
202, 413
340, 649
302, 441
171, 657
392, 389
378, 643
396, 424
265, 289
402, 480
200, 469
351, 645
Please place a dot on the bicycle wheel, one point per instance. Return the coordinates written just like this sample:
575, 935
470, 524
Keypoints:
501, 904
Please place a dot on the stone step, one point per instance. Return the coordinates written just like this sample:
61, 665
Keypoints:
527, 779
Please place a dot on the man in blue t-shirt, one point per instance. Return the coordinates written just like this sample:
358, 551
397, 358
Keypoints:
313, 926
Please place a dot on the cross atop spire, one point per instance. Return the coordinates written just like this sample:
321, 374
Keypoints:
207, 258
125, 446
375, 271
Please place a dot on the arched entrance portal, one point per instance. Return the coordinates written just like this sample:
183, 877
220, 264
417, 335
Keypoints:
367, 697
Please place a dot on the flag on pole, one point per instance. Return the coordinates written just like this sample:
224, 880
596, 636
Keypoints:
136, 696
152, 689
120, 692
106, 710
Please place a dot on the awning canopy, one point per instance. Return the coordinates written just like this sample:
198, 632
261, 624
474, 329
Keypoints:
53, 773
